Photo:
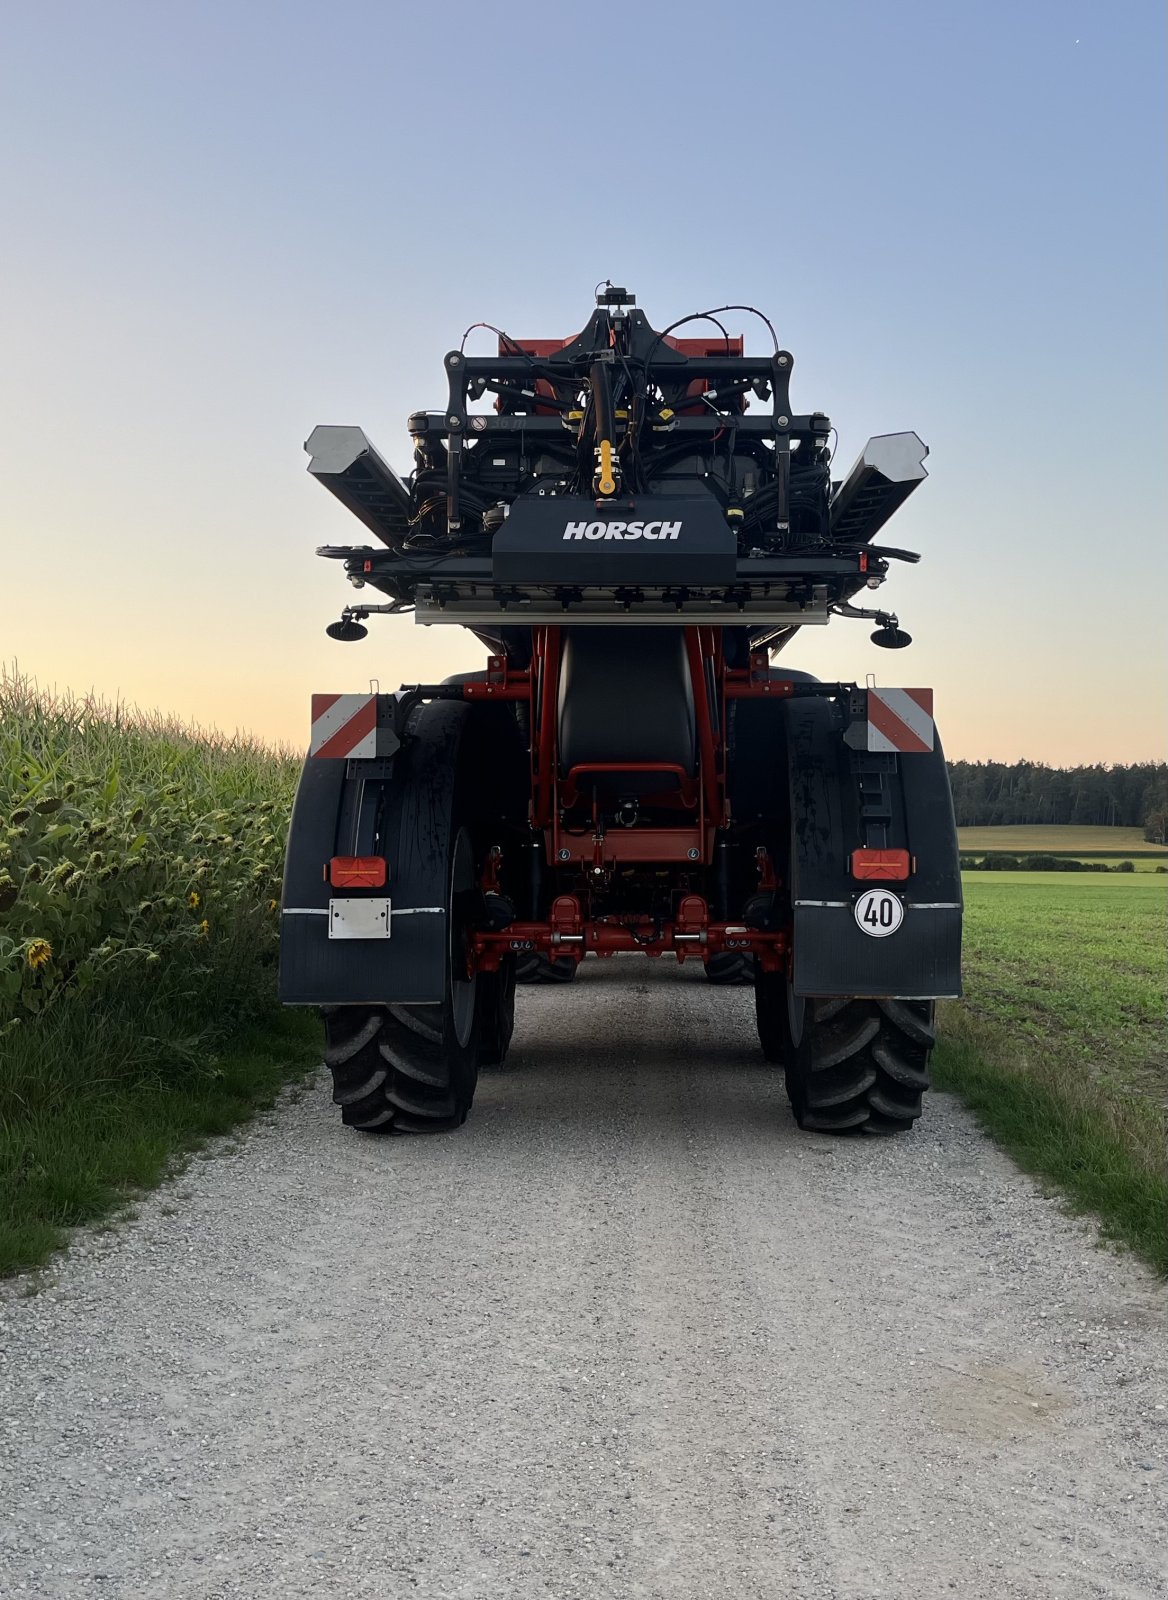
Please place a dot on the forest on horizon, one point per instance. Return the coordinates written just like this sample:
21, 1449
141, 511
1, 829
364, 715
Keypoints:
999, 793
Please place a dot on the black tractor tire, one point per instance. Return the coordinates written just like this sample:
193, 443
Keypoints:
413, 1068
534, 967
498, 1013
848, 1064
731, 967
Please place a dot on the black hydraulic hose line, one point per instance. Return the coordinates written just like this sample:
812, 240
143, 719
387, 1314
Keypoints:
697, 316
602, 401
605, 479
509, 391
707, 316
504, 338
633, 426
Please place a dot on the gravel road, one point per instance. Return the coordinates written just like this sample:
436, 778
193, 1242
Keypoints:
627, 1334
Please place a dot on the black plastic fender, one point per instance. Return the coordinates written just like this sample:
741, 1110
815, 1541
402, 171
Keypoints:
405, 810
832, 954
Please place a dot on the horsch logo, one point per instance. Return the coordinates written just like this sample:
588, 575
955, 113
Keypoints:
622, 530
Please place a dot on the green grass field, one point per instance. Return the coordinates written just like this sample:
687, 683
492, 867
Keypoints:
1150, 863
1087, 843
1061, 1044
1120, 885
82, 1133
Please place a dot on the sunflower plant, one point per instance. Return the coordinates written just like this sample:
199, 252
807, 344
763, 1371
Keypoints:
133, 851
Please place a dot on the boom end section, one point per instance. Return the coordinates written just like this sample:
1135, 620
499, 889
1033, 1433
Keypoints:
350, 468
887, 471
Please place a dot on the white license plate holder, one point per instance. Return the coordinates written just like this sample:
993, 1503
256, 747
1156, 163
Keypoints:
362, 918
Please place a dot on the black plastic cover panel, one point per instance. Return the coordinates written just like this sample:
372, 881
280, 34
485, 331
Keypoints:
833, 955
651, 541
626, 695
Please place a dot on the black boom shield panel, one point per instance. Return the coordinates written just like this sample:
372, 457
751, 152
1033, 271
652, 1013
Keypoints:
647, 541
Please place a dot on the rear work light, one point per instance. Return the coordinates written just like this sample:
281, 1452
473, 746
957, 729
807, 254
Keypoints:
885, 866
357, 872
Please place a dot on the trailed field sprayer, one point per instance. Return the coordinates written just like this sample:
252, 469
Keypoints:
636, 525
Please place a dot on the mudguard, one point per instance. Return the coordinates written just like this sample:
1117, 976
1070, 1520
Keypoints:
404, 809
832, 954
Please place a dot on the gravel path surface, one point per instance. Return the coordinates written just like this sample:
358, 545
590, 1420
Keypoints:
628, 1333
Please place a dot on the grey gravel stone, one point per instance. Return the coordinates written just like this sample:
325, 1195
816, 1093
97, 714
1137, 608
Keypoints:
627, 1334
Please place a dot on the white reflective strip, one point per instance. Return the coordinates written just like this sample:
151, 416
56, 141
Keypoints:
305, 911
878, 740
366, 747
342, 710
910, 905
914, 716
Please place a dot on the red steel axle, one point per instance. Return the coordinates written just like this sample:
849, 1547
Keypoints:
568, 933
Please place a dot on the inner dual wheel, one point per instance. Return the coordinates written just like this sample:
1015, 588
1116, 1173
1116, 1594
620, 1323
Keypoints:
849, 1064
534, 967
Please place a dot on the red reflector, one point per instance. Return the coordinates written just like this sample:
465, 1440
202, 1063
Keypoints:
889, 866
357, 872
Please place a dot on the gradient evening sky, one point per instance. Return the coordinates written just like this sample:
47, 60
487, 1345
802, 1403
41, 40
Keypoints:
221, 224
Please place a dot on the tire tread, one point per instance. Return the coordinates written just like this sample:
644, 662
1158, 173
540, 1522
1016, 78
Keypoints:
388, 1077
859, 1065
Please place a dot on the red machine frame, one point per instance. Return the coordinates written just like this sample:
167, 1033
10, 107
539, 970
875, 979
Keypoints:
701, 802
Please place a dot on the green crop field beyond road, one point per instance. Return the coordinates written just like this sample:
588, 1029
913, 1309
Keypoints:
1085, 842
140, 866
1061, 1045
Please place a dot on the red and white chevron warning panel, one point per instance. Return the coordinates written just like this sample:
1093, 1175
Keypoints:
900, 719
344, 725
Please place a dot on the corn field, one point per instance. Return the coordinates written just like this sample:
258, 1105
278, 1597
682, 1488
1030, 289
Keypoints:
139, 859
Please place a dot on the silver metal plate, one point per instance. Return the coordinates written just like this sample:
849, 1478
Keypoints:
469, 603
359, 919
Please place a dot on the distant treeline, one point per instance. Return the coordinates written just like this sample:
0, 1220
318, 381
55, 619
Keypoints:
994, 793
1041, 862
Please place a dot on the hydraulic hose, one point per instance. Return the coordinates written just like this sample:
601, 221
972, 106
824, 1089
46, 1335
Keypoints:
602, 409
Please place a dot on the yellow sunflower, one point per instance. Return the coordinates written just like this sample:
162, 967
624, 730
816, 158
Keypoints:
38, 954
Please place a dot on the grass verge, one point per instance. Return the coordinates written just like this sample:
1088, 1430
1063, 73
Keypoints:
79, 1143
1059, 1045
1104, 1152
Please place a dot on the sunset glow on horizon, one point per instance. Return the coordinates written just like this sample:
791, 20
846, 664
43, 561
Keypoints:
218, 236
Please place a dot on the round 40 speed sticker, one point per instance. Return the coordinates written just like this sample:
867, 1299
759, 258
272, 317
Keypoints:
879, 912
